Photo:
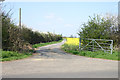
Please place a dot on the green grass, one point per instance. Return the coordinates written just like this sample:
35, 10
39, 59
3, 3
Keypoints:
10, 55
98, 54
44, 44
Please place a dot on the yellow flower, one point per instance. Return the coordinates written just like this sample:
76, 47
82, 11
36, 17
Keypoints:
72, 41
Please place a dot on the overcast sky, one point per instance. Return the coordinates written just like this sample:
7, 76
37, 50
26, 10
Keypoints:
60, 17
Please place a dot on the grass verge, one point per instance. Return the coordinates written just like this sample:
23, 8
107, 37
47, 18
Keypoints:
98, 54
44, 44
10, 55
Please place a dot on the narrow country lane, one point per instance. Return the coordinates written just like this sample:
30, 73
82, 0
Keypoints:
52, 62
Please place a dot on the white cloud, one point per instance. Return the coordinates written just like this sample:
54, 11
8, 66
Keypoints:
54, 18
72, 25
60, 19
50, 16
45, 24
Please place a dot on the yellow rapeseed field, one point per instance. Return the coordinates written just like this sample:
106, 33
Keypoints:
72, 41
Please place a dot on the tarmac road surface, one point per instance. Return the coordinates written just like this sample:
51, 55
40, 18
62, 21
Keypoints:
52, 62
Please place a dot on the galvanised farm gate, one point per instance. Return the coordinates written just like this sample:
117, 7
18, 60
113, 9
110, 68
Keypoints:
96, 45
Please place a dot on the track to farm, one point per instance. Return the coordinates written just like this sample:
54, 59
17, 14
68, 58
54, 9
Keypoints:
52, 62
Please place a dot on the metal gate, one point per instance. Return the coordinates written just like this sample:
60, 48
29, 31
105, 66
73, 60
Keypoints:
96, 45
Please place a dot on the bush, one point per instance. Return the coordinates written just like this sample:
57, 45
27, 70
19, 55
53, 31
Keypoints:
99, 27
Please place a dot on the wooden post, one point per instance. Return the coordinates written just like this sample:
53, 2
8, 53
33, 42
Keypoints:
20, 17
20, 27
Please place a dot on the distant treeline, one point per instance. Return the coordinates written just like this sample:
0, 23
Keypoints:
15, 38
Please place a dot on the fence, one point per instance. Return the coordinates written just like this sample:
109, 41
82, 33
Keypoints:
96, 45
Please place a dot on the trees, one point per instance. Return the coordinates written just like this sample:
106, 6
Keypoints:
11, 39
100, 28
19, 39
71, 36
